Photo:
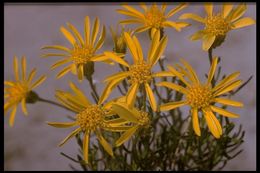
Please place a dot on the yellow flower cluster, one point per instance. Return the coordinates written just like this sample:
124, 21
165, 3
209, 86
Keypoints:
121, 114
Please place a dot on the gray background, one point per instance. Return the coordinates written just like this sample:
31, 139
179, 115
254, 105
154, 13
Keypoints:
32, 145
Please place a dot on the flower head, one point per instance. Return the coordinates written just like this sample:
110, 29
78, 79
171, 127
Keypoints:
20, 90
201, 97
139, 74
153, 17
89, 118
83, 52
217, 25
138, 119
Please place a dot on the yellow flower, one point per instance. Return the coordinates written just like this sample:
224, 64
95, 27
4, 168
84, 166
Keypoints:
89, 118
153, 18
140, 73
139, 119
83, 51
217, 25
20, 90
202, 96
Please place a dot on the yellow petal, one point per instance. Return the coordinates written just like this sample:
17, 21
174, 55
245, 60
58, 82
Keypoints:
224, 112
131, 46
142, 29
154, 45
124, 12
55, 55
104, 143
116, 75
246, 21
172, 105
237, 12
63, 72
79, 93
151, 97
228, 88
125, 136
76, 33
95, 30
117, 128
131, 94
68, 35
143, 6
116, 121
114, 57
193, 17
62, 125
125, 112
12, 116
159, 50
59, 63
172, 24
130, 21
212, 69
101, 39
209, 8
7, 106
38, 82
23, 104
228, 102
195, 121
139, 49
72, 134
162, 74
58, 47
134, 11
23, 67
227, 7
191, 71
213, 123
226, 80
66, 103
87, 30
16, 70
208, 40
72, 100
176, 9
173, 87
86, 146
178, 74
197, 35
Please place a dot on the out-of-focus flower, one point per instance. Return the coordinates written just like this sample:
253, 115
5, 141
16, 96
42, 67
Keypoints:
202, 96
138, 119
83, 52
140, 73
20, 90
153, 17
217, 25
89, 118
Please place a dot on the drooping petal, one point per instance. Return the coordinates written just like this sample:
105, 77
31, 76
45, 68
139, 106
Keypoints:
208, 40
125, 112
212, 69
86, 146
12, 116
228, 102
197, 35
224, 112
125, 136
104, 143
172, 105
173, 87
131, 94
213, 123
38, 82
246, 21
62, 125
72, 134
176, 9
193, 17
195, 121
68, 35
151, 97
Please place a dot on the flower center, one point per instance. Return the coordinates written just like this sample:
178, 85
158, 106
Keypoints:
144, 119
217, 25
91, 118
199, 96
140, 73
82, 55
154, 17
17, 92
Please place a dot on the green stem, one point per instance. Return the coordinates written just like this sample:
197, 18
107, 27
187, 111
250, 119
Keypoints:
53, 103
93, 88
213, 82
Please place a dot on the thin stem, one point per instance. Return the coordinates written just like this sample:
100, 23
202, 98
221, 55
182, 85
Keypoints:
53, 103
93, 87
213, 82
144, 98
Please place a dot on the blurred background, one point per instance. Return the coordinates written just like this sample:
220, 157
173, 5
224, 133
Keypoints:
32, 145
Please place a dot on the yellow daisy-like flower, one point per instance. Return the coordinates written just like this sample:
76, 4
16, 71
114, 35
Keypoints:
20, 90
139, 119
202, 96
140, 73
83, 51
217, 25
90, 118
153, 17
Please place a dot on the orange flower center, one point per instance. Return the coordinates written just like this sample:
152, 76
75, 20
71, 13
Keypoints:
140, 73
17, 92
154, 17
217, 25
82, 55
